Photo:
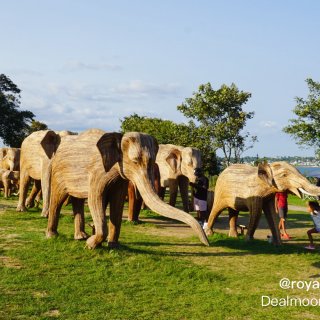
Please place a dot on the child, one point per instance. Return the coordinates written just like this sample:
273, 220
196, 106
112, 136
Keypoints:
314, 209
281, 204
200, 191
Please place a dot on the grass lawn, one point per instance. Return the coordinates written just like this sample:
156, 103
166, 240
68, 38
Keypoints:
161, 271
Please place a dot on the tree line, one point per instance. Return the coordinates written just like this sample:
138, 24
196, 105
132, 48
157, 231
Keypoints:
217, 121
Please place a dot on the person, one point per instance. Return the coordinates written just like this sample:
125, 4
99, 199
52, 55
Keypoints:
314, 209
200, 190
281, 205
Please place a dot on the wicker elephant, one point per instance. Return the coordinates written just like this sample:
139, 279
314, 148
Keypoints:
176, 167
242, 187
37, 151
10, 159
97, 166
8, 179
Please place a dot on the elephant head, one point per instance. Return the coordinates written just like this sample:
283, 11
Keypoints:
285, 177
191, 159
175, 161
169, 158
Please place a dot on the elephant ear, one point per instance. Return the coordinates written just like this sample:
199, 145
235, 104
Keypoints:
265, 173
109, 146
50, 143
174, 160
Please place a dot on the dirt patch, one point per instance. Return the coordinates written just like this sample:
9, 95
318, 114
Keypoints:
41, 294
169, 228
9, 262
52, 313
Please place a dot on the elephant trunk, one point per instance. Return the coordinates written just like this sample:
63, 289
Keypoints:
157, 205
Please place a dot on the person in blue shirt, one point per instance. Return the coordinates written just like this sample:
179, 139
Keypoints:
314, 209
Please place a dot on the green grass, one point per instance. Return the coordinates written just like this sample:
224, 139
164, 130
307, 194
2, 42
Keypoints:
294, 200
150, 277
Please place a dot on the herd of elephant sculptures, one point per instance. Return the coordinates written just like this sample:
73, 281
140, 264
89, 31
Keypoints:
105, 168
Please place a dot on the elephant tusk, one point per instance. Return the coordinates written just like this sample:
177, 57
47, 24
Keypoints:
305, 192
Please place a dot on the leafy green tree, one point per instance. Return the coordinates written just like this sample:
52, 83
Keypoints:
221, 117
306, 129
168, 132
37, 126
162, 130
14, 123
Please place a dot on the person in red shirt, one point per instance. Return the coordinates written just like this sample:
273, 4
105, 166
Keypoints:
281, 205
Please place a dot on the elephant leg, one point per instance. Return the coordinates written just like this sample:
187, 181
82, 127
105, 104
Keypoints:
56, 202
162, 192
6, 188
37, 200
184, 192
255, 209
34, 191
23, 190
233, 219
79, 220
271, 216
131, 201
214, 214
157, 184
137, 208
45, 187
97, 208
173, 189
117, 197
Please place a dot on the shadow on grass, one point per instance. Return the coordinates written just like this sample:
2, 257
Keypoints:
299, 220
242, 247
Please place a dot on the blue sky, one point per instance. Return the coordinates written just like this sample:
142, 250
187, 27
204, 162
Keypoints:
83, 64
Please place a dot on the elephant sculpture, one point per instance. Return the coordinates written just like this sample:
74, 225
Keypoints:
242, 187
8, 179
106, 162
176, 167
37, 151
10, 159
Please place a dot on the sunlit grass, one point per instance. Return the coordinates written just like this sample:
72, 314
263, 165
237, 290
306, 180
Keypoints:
148, 277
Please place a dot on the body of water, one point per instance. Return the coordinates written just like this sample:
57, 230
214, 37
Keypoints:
309, 171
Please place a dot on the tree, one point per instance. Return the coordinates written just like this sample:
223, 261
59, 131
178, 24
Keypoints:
168, 132
221, 118
37, 126
305, 129
14, 124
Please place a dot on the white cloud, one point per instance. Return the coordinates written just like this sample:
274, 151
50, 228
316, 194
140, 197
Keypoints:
81, 66
268, 124
78, 105
139, 88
